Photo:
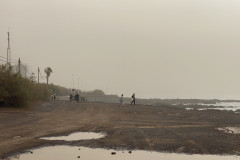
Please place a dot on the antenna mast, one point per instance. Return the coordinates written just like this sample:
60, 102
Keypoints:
8, 50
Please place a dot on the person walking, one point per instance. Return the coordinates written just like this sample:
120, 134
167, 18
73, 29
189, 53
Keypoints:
133, 99
77, 98
71, 97
121, 100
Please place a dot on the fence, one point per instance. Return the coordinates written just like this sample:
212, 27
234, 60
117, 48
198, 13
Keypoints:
23, 69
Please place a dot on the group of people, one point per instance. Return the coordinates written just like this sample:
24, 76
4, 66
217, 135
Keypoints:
53, 96
133, 100
74, 97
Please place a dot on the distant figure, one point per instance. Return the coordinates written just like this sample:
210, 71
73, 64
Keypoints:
133, 99
121, 100
71, 97
77, 97
54, 96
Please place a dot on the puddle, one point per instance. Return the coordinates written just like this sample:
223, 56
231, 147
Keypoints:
16, 137
189, 109
229, 106
220, 108
233, 130
84, 153
77, 136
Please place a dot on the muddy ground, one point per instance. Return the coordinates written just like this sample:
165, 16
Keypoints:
160, 128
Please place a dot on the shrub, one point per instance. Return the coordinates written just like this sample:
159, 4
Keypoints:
58, 90
17, 91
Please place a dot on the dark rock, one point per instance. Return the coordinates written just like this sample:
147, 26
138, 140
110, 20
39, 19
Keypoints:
130, 152
113, 153
78, 156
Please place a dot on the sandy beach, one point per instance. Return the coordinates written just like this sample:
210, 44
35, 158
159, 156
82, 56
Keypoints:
159, 128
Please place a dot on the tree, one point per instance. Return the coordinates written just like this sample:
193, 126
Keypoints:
48, 71
32, 77
98, 92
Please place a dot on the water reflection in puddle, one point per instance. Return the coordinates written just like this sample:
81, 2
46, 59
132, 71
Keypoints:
189, 109
77, 136
233, 130
84, 153
16, 137
229, 106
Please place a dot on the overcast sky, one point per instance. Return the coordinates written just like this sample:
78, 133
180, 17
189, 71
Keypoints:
154, 48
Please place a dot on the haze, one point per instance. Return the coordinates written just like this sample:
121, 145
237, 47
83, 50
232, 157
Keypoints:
154, 48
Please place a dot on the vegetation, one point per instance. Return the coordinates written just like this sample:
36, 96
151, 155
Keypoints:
94, 93
32, 77
62, 91
17, 91
58, 90
48, 72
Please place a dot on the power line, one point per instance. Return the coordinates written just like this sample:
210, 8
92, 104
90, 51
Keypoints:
41, 76
3, 60
3, 57
6, 61
25, 68
6, 58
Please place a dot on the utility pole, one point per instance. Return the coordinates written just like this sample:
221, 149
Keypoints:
73, 80
82, 87
78, 85
8, 50
38, 74
19, 66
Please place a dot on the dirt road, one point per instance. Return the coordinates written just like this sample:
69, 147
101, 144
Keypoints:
130, 127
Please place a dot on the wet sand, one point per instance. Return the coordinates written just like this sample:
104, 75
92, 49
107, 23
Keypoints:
164, 128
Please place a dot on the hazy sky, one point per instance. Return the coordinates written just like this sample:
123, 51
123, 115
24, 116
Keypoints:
154, 48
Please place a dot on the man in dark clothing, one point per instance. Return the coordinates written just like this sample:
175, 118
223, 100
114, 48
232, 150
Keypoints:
133, 99
77, 97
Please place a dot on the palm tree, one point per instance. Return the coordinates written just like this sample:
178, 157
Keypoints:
48, 71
